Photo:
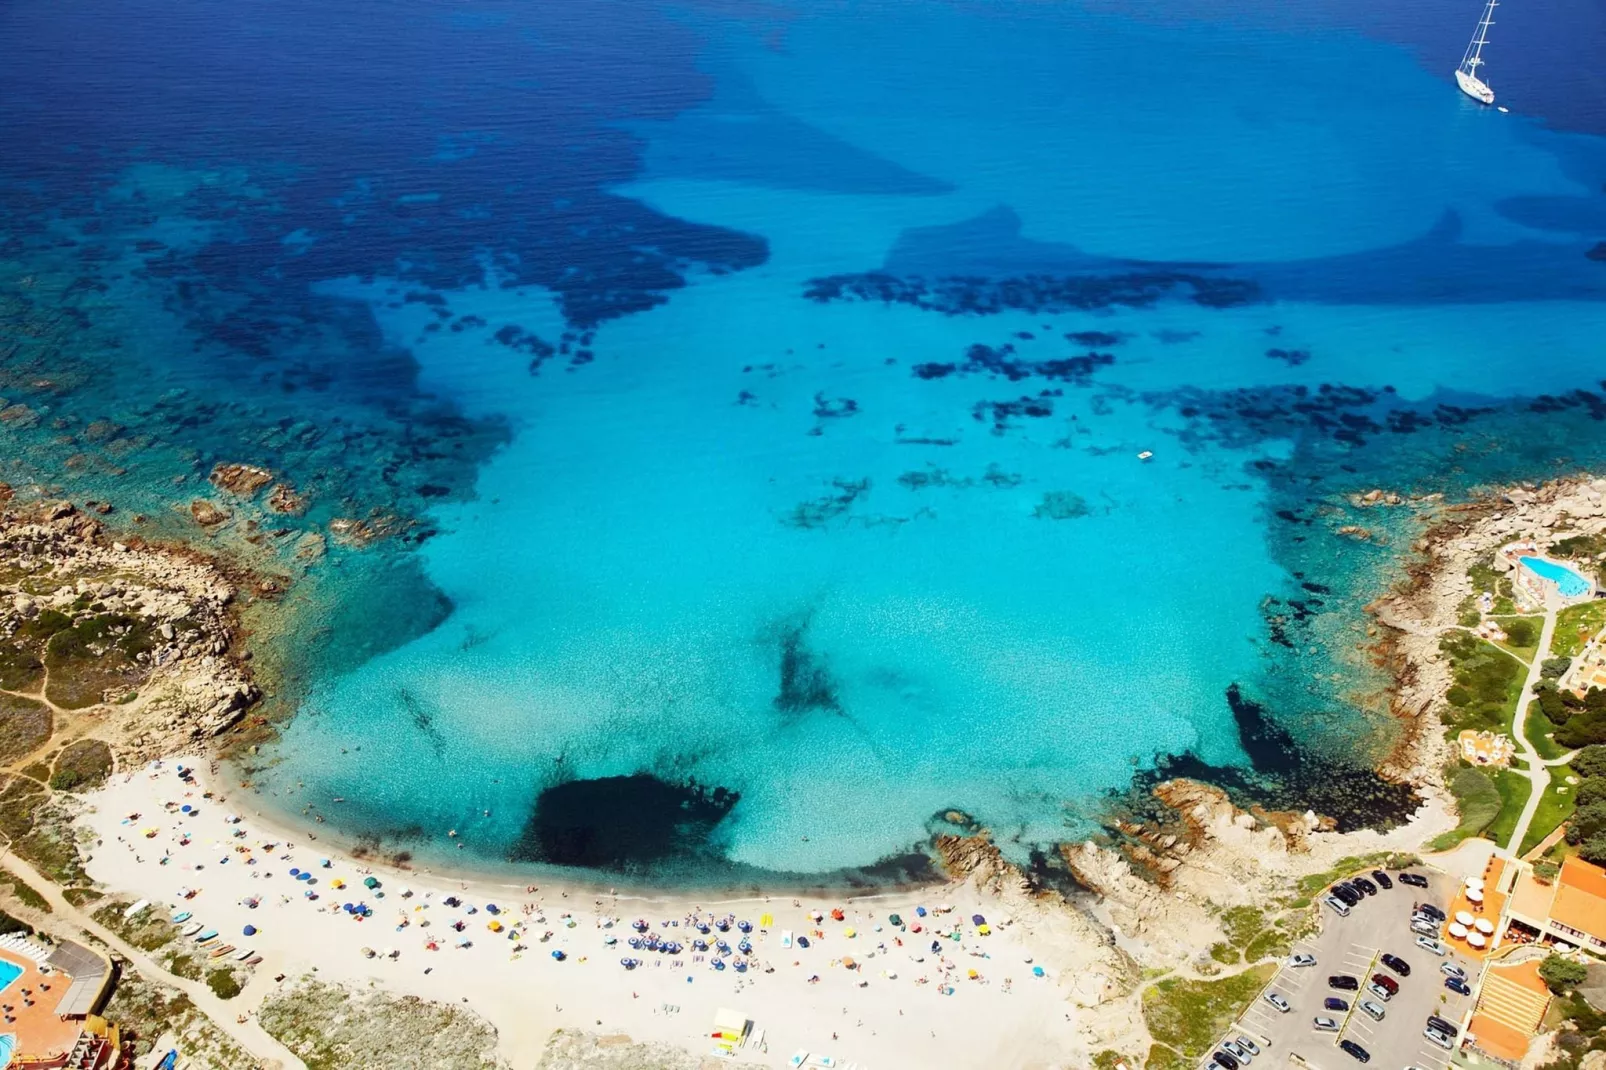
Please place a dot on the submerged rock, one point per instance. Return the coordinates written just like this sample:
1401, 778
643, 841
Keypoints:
242, 479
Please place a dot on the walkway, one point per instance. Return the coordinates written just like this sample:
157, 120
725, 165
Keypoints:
248, 1035
1538, 771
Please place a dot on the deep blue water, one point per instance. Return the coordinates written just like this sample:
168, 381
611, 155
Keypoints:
753, 393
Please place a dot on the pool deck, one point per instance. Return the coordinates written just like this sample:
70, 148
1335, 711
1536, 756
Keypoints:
40, 1034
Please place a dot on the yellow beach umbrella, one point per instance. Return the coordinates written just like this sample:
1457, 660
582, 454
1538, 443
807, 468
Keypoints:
766, 920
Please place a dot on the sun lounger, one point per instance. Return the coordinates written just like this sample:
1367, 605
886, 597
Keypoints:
800, 1057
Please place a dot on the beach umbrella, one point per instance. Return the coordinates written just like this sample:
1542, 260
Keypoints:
920, 912
249, 930
766, 920
295, 872
1037, 971
977, 919
1464, 917
984, 929
849, 932
337, 883
895, 919
1485, 926
492, 908
1474, 896
836, 914
1457, 930
558, 955
972, 974
325, 863
494, 926
1475, 939
847, 963
370, 882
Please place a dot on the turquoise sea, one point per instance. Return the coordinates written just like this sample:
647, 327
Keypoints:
767, 384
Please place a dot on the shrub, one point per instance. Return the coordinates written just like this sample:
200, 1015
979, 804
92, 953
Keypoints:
66, 780
1520, 633
1583, 729
1591, 791
223, 984
1561, 974
1594, 849
1591, 761
1587, 821
1555, 668
1546, 871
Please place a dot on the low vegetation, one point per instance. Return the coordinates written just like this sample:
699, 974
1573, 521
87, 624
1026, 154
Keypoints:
1562, 974
148, 1012
1522, 635
1185, 1017
331, 1028
1484, 577
1586, 829
1488, 683
82, 765
1554, 807
25, 726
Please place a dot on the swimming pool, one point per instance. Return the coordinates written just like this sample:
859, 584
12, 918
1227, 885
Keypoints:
9, 971
8, 1044
1570, 583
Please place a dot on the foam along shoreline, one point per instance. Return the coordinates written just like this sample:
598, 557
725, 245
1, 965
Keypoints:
876, 1012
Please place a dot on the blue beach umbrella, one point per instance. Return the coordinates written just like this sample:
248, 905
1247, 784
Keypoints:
249, 930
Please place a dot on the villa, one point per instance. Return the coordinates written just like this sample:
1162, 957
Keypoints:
48, 995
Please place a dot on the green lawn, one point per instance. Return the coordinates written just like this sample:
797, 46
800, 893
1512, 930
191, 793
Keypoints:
1574, 626
1485, 578
1525, 650
1554, 808
1514, 790
1541, 733
1478, 802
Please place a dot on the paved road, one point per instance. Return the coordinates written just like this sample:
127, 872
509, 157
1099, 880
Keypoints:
249, 1035
1352, 946
1538, 773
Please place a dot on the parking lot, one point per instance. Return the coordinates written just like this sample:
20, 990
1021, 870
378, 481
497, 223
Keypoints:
1353, 946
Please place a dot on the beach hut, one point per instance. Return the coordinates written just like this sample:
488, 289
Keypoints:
730, 1029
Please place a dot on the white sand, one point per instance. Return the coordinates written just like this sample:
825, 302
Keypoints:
1006, 1017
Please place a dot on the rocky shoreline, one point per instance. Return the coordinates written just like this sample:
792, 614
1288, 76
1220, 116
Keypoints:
142, 637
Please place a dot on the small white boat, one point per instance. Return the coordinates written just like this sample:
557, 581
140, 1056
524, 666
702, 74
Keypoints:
1467, 75
1145, 455
193, 928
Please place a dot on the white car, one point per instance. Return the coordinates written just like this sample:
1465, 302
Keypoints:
1301, 959
1236, 1052
1325, 1025
1427, 943
1277, 1001
1372, 1008
1338, 907
1438, 1038
1248, 1045
1450, 969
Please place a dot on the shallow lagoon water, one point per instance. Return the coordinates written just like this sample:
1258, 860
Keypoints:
786, 518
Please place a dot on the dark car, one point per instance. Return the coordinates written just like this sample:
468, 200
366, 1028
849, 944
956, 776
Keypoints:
1385, 981
1225, 1061
1346, 982
1397, 964
1365, 886
1455, 984
1431, 911
1415, 880
1346, 895
1333, 1003
1359, 1053
1382, 879
1435, 1022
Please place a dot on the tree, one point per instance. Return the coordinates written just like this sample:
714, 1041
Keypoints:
1587, 822
1583, 729
1591, 791
1562, 974
1555, 668
1591, 761
1520, 633
1553, 706
1594, 849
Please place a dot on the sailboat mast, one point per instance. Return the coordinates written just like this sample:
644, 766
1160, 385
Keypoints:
1482, 37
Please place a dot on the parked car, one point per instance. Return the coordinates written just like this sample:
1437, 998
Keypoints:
1450, 969
1427, 943
1431, 911
1337, 904
1333, 1003
1379, 991
1458, 986
1415, 880
1277, 1001
1439, 1038
1301, 959
1358, 1053
1225, 1061
1349, 895
1397, 964
1382, 879
1325, 1025
1387, 982
1364, 886
1343, 981
1237, 1053
1372, 1008
1435, 1022
1425, 928
1248, 1045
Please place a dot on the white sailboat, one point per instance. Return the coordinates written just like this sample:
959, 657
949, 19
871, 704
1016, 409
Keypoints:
1466, 75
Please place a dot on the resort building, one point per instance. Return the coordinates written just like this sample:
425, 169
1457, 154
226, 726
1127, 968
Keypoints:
1568, 912
48, 997
1512, 1000
1486, 748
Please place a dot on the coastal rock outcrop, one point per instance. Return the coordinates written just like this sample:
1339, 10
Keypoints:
242, 479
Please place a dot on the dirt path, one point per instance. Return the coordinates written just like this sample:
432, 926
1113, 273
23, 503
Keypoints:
249, 1035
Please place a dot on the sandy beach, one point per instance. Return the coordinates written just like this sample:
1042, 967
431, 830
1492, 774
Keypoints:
1000, 994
